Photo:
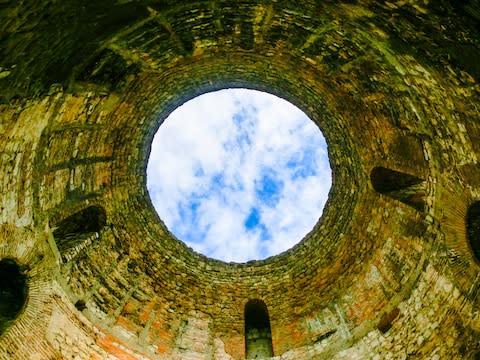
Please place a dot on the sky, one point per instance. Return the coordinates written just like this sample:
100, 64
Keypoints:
239, 174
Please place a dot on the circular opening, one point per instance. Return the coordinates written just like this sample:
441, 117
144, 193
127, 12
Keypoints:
13, 292
239, 174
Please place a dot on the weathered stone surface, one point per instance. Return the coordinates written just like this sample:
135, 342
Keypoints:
382, 275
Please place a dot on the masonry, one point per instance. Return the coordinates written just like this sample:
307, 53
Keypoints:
390, 271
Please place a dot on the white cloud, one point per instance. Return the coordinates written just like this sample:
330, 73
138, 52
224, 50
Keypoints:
212, 157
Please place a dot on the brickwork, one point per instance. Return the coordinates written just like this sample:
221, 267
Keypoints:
388, 271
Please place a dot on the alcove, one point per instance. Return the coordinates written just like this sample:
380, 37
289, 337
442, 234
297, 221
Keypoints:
79, 227
258, 335
473, 229
13, 292
400, 186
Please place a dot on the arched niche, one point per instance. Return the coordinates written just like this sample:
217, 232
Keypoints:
258, 334
401, 186
77, 229
473, 229
13, 292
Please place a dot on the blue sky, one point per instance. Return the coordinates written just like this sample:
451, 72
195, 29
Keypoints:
239, 174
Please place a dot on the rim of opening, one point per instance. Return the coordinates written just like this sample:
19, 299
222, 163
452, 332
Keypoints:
322, 140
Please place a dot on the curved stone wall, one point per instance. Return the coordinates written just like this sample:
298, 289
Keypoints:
387, 272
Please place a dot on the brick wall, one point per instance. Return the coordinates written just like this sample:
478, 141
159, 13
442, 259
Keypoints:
389, 85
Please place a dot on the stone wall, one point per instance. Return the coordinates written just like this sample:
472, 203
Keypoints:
386, 273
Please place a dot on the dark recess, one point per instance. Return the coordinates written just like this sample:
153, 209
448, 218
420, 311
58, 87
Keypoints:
80, 305
13, 292
110, 70
385, 322
258, 336
77, 227
473, 229
404, 187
